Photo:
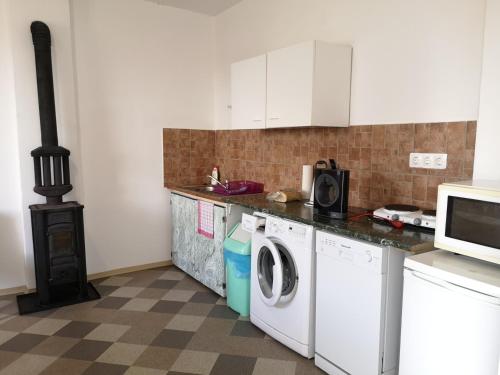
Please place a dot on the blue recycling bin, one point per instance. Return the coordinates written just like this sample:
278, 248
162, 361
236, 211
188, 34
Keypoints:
237, 250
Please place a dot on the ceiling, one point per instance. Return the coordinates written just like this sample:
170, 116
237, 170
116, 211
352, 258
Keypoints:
209, 7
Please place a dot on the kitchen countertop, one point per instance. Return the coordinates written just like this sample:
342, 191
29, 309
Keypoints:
192, 192
414, 240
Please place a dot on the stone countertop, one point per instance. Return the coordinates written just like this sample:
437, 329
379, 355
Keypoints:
193, 192
414, 240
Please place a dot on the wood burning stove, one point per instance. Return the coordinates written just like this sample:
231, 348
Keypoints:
57, 226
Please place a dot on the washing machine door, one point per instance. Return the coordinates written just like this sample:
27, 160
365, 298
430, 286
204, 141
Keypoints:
269, 273
290, 274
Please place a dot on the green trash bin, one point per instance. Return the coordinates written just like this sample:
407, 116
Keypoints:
237, 248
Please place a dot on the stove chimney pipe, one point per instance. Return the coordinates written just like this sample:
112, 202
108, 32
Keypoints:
51, 162
43, 60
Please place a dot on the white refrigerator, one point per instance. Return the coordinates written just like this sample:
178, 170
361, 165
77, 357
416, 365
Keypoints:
451, 316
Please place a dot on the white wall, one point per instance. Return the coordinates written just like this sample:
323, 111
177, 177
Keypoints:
140, 67
414, 61
11, 212
487, 157
125, 69
55, 13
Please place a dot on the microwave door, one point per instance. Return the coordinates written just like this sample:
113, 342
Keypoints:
468, 222
473, 221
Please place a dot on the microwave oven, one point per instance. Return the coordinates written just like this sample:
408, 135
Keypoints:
468, 219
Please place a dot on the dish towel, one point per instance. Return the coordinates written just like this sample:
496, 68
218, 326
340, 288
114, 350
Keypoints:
206, 219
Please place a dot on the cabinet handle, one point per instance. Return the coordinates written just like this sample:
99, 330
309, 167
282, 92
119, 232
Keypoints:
257, 120
274, 118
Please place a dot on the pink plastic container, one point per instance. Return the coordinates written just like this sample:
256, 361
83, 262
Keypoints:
240, 187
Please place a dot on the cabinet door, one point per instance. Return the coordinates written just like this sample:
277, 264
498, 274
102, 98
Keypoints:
248, 93
289, 86
183, 231
198, 256
208, 265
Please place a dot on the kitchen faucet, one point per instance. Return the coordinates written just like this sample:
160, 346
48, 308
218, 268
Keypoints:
226, 186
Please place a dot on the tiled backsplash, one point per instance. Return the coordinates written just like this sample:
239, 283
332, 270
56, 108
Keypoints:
188, 156
377, 157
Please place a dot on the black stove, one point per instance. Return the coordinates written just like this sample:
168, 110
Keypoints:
57, 226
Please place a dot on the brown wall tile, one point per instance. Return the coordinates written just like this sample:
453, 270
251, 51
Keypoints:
419, 188
377, 157
421, 137
378, 137
456, 137
437, 138
188, 156
470, 142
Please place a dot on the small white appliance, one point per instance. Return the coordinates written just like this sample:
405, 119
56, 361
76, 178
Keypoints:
358, 306
310, 202
408, 214
282, 283
468, 219
451, 316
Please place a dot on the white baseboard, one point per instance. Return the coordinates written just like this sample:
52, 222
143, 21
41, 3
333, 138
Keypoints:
94, 276
13, 290
121, 271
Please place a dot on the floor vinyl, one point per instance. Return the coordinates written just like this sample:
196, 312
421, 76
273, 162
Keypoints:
151, 322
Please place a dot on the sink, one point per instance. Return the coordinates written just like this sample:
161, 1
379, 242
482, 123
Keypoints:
239, 187
233, 188
203, 188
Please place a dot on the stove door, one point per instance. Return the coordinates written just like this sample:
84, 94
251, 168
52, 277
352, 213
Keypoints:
63, 262
61, 240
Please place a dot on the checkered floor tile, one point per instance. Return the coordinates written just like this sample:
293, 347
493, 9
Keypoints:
146, 323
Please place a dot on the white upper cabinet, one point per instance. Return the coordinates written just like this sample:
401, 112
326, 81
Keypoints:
309, 84
248, 93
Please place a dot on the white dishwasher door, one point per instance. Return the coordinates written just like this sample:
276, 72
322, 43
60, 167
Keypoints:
350, 303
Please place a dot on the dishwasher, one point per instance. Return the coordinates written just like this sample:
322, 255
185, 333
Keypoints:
358, 306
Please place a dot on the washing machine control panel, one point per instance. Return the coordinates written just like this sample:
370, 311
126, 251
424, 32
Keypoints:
287, 229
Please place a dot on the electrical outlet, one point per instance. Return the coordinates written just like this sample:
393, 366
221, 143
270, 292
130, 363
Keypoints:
439, 161
428, 160
415, 160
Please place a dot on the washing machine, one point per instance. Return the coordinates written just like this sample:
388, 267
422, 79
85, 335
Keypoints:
283, 282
